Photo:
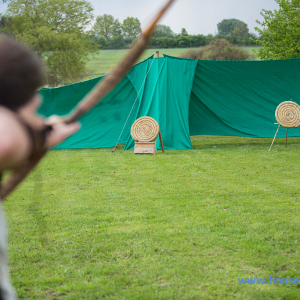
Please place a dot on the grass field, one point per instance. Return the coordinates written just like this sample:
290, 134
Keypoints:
90, 224
105, 60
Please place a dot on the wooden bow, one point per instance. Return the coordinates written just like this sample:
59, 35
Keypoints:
96, 95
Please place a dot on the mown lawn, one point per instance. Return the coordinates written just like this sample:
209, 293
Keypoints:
91, 224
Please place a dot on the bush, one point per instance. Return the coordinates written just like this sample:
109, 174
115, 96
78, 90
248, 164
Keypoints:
219, 49
192, 54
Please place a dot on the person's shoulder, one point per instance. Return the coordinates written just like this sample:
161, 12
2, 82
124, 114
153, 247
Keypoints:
14, 143
8, 125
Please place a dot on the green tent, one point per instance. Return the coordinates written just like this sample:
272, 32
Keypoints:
186, 97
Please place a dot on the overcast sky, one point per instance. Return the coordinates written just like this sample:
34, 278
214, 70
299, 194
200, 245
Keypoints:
196, 16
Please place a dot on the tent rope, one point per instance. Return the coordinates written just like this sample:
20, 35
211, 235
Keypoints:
114, 149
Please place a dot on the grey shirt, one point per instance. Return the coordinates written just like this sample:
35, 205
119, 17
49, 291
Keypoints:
6, 290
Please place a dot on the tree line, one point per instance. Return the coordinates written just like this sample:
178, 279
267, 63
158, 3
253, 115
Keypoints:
58, 31
109, 33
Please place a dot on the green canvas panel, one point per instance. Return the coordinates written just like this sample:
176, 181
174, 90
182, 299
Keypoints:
239, 98
165, 96
100, 127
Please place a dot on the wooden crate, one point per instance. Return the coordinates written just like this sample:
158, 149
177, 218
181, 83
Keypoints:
144, 147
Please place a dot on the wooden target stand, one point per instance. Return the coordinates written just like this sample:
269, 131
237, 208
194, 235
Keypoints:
148, 147
144, 132
287, 115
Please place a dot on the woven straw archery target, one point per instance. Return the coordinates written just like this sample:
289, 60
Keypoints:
145, 129
288, 114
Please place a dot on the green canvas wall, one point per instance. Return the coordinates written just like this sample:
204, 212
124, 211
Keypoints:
187, 97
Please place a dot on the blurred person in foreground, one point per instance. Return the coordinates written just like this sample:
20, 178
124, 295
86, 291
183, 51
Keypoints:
21, 74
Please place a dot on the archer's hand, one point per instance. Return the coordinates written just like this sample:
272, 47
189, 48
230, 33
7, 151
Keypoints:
60, 130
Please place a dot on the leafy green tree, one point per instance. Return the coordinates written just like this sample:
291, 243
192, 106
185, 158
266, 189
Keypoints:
99, 41
209, 38
230, 38
184, 32
116, 42
172, 43
5, 24
55, 30
163, 31
197, 40
131, 28
107, 26
165, 42
240, 30
251, 39
280, 30
183, 41
227, 26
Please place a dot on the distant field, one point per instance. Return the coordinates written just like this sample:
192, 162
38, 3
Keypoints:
251, 49
104, 60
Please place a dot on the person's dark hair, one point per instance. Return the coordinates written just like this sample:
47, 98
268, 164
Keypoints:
21, 74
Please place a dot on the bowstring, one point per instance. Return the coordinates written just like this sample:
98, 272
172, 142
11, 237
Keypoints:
35, 208
136, 99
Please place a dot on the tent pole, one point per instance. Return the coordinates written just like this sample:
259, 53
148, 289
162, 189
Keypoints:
274, 138
161, 142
